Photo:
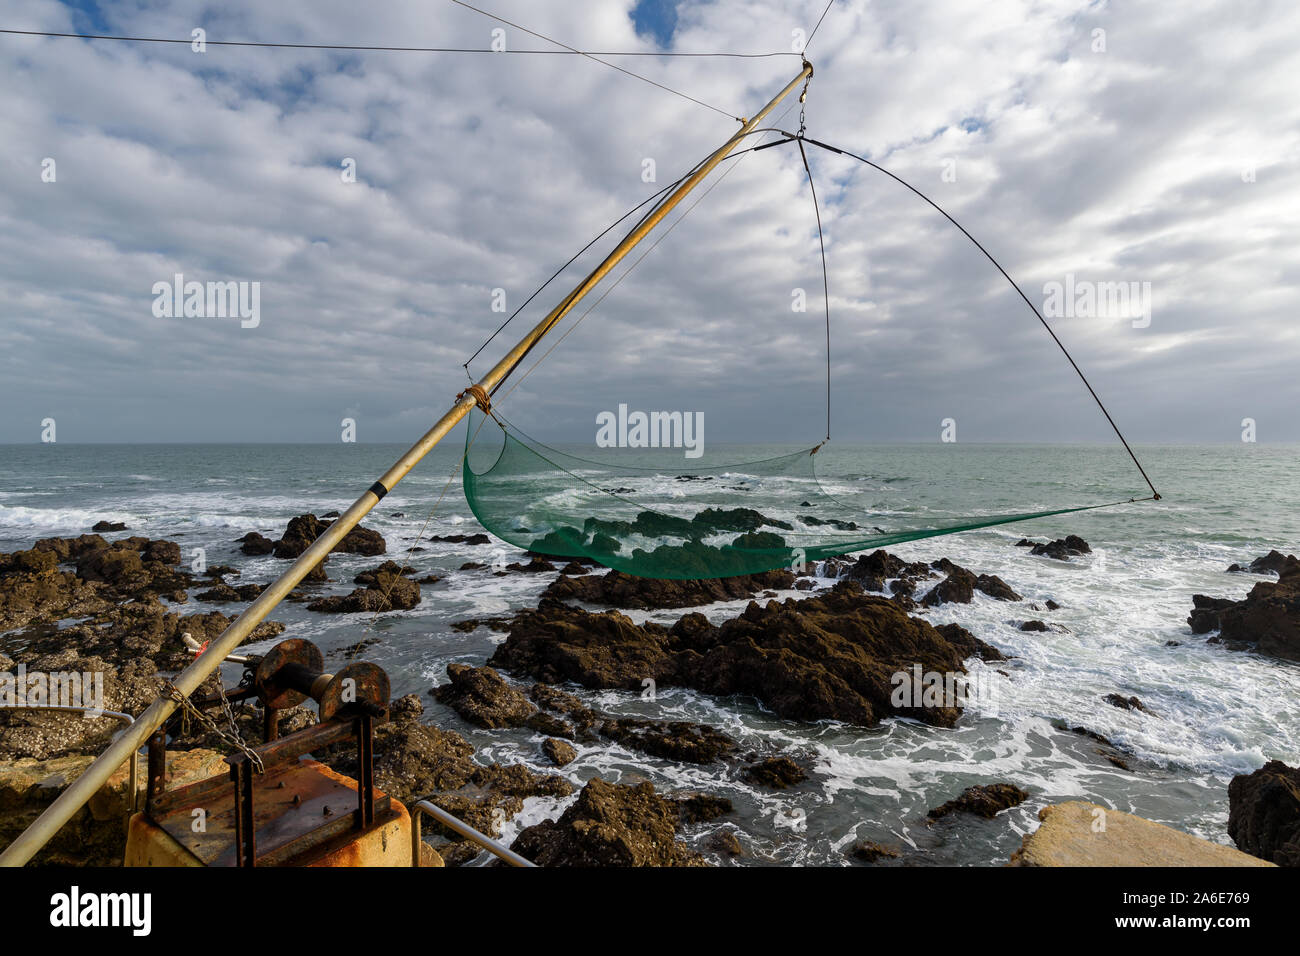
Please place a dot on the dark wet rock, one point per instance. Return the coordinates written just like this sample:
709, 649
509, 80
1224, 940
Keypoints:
872, 570
1267, 620
957, 588
1264, 813
254, 543
1126, 703
814, 522
550, 725
387, 592
474, 539
995, 587
108, 526
482, 697
32, 562
135, 567
621, 590
33, 591
299, 535
137, 542
221, 571
409, 707
674, 740
473, 623
573, 569
701, 808
535, 566
472, 566
330, 514
714, 520
1271, 563
317, 574
826, 657
388, 567
960, 585
70, 549
349, 651
1040, 626
985, 801
429, 579
1062, 549
1105, 747
726, 843
778, 773
166, 552
224, 593
610, 825
1173, 643
136, 629
123, 569
759, 541
1052, 605
305, 529
870, 852
559, 752
562, 702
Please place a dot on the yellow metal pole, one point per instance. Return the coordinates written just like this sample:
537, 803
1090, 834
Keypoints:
84, 787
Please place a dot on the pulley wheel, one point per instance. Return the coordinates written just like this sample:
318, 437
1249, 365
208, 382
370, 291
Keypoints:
358, 683
295, 650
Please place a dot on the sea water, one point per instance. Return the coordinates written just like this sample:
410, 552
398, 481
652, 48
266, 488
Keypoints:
1214, 713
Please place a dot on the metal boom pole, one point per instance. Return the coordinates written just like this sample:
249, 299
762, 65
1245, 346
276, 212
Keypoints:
121, 750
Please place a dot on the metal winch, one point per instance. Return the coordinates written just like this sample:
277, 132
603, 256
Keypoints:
276, 806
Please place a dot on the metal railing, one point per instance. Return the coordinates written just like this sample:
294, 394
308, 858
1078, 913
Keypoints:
464, 829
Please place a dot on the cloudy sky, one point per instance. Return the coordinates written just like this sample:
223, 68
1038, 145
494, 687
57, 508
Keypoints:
1084, 143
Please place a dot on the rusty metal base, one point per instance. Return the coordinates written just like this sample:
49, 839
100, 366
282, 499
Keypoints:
305, 815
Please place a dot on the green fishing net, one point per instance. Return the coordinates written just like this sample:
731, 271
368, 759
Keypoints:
672, 519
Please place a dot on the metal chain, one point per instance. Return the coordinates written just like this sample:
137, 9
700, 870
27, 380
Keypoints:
803, 99
233, 739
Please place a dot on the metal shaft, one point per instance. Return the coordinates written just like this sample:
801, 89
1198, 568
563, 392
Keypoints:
84, 787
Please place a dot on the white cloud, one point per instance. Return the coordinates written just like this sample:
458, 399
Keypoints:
479, 172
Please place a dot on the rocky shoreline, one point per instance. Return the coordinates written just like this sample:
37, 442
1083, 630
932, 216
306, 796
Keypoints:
834, 653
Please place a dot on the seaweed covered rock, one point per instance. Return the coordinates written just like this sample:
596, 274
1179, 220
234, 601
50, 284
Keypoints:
145, 628
386, 591
984, 801
832, 657
559, 752
777, 773
482, 697
33, 589
610, 825
617, 589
